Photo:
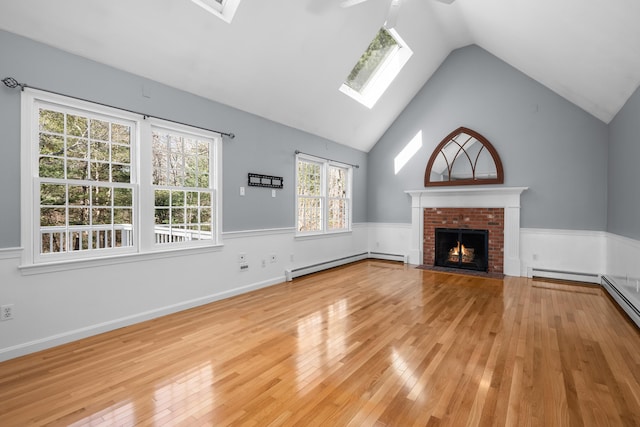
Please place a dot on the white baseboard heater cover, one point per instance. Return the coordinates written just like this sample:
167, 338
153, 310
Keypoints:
302, 271
564, 275
390, 257
314, 268
622, 300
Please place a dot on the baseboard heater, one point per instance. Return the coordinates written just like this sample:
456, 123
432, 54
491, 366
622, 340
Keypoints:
565, 275
632, 311
389, 257
314, 268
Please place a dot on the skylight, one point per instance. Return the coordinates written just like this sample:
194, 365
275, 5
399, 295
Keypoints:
223, 9
377, 67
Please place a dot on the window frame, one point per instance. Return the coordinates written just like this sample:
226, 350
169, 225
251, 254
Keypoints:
223, 9
140, 180
215, 165
325, 164
385, 73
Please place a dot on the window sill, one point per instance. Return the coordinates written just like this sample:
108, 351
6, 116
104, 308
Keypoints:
320, 235
51, 267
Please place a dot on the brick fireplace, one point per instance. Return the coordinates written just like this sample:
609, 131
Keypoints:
490, 219
495, 209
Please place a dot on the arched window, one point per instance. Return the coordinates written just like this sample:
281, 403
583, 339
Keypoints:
464, 157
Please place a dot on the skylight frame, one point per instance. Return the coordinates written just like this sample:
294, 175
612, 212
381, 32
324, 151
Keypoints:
384, 75
223, 9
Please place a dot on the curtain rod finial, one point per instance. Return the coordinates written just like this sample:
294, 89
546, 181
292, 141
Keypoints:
232, 135
11, 83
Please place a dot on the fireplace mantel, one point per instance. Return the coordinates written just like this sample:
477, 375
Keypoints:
470, 197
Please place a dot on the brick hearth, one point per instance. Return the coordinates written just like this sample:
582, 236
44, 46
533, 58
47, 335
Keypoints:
491, 219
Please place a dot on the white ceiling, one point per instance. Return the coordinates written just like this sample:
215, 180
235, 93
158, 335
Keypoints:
285, 59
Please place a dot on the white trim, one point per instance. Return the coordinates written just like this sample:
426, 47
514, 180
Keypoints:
257, 233
225, 11
11, 253
75, 264
66, 337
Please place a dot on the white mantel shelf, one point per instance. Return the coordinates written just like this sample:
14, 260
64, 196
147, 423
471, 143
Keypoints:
470, 197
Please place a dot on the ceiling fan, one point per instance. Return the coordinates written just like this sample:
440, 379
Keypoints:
394, 8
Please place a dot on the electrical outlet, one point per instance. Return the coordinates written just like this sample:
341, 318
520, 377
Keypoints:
244, 267
6, 312
273, 258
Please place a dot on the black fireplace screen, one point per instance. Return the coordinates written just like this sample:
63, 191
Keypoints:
462, 248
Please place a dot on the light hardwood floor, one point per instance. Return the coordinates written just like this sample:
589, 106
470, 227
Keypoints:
369, 344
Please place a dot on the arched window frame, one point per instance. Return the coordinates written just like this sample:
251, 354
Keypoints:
472, 181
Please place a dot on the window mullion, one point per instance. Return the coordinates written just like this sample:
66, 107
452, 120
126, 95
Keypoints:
145, 213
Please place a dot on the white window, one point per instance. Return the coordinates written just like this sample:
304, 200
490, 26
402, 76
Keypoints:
323, 196
184, 191
88, 182
378, 66
223, 9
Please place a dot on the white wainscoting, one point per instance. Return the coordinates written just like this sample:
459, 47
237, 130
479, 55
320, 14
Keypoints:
58, 307
563, 254
389, 240
52, 308
623, 273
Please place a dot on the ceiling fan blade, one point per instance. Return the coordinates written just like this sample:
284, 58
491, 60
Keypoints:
392, 16
349, 3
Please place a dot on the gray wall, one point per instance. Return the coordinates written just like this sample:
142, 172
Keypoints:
546, 143
623, 216
260, 146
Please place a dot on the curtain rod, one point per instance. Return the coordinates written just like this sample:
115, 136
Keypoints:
12, 83
331, 160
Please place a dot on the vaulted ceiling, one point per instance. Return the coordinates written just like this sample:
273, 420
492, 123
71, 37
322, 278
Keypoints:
285, 60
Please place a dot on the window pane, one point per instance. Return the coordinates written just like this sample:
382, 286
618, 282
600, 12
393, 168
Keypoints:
79, 195
100, 151
120, 133
53, 217
77, 169
120, 153
338, 214
51, 144
99, 130
53, 194
78, 148
309, 214
51, 121
122, 197
379, 49
121, 173
79, 216
309, 179
77, 125
337, 182
51, 167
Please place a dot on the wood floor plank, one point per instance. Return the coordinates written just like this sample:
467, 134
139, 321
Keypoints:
373, 343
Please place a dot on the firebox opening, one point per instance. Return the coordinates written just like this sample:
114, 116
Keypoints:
462, 248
